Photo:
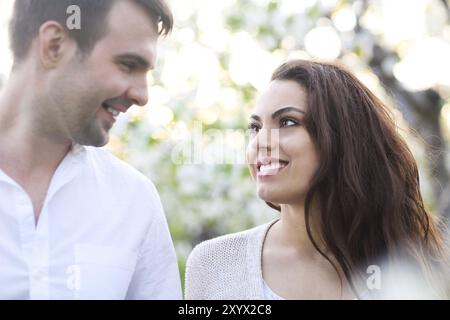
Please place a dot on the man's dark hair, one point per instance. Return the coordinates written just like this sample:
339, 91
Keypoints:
29, 15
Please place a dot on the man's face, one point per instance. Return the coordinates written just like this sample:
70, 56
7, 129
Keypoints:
91, 91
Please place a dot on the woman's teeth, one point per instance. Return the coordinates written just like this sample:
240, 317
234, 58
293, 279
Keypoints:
270, 168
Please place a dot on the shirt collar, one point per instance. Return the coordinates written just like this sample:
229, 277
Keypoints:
74, 159
71, 166
77, 148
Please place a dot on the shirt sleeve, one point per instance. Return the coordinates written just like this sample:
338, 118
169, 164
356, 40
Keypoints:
156, 275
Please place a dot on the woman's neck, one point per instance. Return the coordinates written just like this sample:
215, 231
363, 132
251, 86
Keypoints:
291, 231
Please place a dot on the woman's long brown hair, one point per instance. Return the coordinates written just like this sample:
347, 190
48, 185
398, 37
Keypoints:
367, 182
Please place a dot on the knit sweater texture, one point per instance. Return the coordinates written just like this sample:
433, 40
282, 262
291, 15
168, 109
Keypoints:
227, 267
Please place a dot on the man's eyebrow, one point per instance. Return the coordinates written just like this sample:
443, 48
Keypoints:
139, 60
278, 113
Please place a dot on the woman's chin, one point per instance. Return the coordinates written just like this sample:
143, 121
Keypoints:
280, 196
269, 195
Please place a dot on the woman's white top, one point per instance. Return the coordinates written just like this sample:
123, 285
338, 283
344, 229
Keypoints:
228, 267
269, 294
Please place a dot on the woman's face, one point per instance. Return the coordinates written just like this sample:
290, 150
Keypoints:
281, 155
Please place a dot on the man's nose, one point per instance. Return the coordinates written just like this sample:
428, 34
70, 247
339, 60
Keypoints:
138, 94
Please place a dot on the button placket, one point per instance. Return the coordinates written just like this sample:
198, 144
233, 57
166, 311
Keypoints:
39, 264
26, 221
34, 244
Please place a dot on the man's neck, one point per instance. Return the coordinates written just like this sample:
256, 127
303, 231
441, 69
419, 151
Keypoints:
23, 155
23, 148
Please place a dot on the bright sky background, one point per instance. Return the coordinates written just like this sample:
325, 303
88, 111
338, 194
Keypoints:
425, 58
5, 56
418, 31
191, 76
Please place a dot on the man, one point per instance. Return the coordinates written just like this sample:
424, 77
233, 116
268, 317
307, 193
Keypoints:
75, 222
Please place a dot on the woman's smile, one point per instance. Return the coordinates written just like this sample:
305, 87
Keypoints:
267, 167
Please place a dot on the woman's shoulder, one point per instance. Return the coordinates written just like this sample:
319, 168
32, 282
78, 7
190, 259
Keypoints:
226, 267
226, 247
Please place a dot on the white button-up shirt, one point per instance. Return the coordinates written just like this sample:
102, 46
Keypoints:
102, 234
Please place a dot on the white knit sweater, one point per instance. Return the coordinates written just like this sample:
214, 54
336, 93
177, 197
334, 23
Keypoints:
227, 267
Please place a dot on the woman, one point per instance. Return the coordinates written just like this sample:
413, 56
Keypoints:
325, 152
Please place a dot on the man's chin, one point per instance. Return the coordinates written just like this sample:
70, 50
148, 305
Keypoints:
97, 140
100, 143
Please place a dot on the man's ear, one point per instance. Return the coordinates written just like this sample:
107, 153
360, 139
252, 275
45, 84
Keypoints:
52, 42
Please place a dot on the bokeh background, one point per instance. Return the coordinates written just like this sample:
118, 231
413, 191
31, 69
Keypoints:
190, 139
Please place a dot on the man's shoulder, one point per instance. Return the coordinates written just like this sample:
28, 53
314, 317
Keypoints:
120, 178
105, 161
123, 184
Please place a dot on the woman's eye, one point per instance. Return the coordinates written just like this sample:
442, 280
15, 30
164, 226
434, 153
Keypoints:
288, 123
253, 127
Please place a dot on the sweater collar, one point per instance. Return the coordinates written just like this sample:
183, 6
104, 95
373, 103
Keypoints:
254, 259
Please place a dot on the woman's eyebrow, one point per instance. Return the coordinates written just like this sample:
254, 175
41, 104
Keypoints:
278, 113
286, 109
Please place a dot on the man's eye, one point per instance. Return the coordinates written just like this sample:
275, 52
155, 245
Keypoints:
128, 66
